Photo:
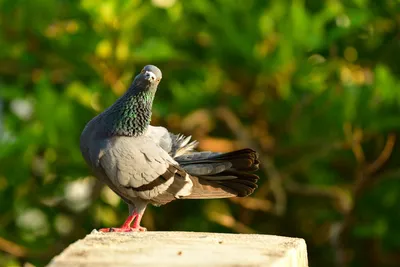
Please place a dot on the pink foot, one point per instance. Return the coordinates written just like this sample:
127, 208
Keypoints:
126, 227
115, 229
123, 230
139, 229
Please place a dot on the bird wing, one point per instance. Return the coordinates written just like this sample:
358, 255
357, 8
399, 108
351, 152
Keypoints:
139, 168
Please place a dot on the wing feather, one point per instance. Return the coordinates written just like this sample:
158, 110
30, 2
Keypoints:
140, 168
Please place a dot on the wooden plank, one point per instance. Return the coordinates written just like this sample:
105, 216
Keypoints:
182, 249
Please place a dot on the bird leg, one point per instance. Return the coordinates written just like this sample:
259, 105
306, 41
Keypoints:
136, 224
135, 217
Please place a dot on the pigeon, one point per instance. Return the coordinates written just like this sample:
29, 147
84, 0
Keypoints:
146, 164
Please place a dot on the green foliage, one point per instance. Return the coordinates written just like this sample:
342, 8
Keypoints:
315, 86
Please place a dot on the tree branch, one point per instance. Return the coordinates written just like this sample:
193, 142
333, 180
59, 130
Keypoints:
275, 179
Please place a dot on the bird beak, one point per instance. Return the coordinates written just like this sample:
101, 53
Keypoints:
150, 76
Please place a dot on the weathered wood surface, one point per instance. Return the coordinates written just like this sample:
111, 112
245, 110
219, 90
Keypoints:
182, 249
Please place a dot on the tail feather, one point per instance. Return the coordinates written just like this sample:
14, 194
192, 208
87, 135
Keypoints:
244, 175
244, 159
241, 189
241, 160
196, 156
220, 175
207, 168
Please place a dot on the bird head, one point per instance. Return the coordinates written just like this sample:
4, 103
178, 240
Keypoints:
149, 76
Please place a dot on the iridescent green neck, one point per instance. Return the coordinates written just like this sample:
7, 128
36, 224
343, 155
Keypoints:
131, 114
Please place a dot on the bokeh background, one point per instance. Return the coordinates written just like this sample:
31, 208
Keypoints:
313, 86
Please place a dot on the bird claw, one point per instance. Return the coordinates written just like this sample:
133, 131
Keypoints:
140, 229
